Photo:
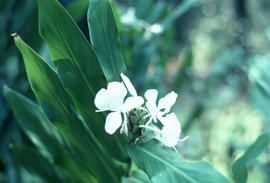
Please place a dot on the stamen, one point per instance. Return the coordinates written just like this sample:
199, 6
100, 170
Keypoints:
175, 149
146, 116
149, 121
125, 124
183, 139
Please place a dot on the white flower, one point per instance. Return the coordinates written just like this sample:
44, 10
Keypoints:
170, 132
156, 28
129, 85
117, 100
164, 104
112, 99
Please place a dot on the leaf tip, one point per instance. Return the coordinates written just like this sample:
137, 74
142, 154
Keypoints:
15, 35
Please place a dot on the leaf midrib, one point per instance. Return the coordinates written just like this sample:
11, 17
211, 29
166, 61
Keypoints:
74, 60
109, 48
167, 163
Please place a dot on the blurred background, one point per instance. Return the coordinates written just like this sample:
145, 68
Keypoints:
215, 54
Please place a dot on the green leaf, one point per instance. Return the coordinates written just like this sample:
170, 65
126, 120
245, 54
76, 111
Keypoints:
36, 164
35, 124
137, 176
45, 84
66, 42
166, 165
77, 9
78, 68
182, 8
45, 136
239, 169
74, 169
95, 121
104, 38
55, 101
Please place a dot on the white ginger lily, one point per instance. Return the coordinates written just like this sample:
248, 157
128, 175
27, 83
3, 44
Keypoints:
170, 132
163, 107
112, 99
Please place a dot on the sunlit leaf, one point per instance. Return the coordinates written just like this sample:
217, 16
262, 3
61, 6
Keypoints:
35, 124
259, 77
137, 176
239, 169
164, 165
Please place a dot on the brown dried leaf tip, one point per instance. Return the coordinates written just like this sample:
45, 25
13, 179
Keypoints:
15, 35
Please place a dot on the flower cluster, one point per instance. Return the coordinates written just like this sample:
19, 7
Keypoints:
120, 98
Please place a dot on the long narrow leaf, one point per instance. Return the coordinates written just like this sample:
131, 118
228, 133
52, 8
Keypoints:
182, 8
239, 169
45, 83
69, 76
67, 44
77, 9
35, 124
36, 164
55, 101
45, 136
104, 38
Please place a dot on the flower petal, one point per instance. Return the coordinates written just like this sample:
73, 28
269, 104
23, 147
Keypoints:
152, 108
171, 130
101, 100
170, 121
124, 128
117, 92
151, 95
169, 138
113, 122
132, 103
167, 102
129, 85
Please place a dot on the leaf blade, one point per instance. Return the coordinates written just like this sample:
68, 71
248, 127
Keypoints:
239, 169
171, 167
35, 124
70, 48
45, 136
52, 94
35, 163
137, 176
105, 43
